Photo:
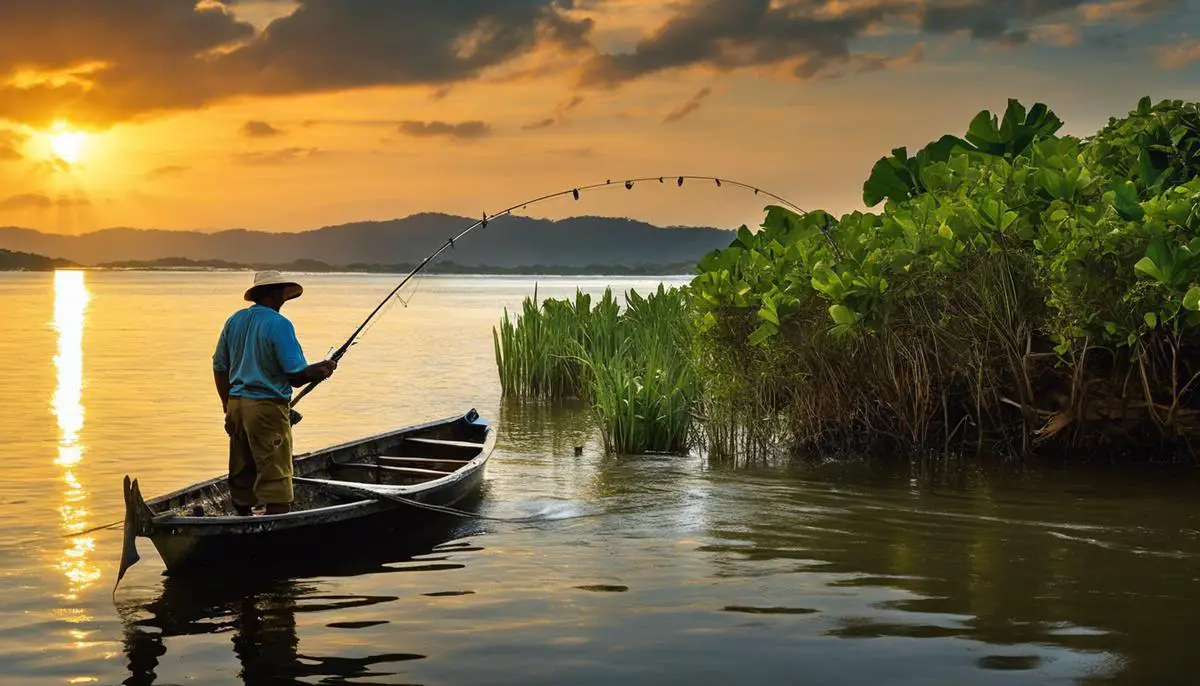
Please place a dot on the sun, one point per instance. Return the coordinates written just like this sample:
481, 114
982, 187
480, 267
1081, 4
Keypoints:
67, 144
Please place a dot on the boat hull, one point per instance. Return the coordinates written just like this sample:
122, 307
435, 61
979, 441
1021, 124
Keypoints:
194, 531
380, 525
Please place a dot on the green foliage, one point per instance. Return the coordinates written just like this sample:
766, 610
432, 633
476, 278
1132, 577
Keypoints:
1098, 238
634, 366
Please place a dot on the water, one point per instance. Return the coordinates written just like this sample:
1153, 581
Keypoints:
636, 571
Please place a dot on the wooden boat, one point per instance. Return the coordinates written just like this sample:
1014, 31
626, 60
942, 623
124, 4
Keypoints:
368, 490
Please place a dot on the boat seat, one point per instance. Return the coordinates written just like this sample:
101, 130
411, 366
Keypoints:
401, 461
440, 441
387, 468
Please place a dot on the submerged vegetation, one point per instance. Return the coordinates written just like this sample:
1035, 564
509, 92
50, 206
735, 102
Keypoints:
1021, 291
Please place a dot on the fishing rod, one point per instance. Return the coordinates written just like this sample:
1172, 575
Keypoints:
483, 222
337, 354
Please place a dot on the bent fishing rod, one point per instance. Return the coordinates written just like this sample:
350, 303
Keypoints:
575, 192
337, 354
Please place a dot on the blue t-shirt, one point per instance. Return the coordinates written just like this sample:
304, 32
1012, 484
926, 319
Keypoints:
258, 348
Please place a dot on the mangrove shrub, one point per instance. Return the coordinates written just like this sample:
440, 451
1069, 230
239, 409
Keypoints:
1019, 288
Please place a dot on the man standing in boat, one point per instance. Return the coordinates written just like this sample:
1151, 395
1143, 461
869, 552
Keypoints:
257, 362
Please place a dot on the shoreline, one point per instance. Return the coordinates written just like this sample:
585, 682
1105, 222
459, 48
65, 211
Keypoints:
429, 271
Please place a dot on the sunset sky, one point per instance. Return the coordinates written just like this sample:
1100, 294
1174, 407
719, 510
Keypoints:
286, 115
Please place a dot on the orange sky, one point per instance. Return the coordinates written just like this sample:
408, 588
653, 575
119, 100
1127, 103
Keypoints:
285, 115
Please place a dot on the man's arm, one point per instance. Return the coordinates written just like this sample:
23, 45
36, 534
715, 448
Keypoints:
222, 380
291, 358
221, 368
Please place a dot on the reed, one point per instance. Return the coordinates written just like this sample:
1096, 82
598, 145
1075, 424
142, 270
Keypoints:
643, 390
633, 366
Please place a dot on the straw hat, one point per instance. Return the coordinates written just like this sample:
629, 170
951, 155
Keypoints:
274, 278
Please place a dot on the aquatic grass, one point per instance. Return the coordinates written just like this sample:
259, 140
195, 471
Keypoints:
633, 366
644, 390
535, 352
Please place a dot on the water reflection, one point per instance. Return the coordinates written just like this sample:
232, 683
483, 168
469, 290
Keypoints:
1001, 563
71, 299
261, 609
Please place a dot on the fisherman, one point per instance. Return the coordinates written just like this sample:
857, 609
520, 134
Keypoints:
256, 363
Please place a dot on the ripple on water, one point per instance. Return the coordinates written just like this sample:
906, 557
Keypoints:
766, 576
1009, 662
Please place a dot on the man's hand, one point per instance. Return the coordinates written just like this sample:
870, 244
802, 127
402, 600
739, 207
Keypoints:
313, 372
325, 368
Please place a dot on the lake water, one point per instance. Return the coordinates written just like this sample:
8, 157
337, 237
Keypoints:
636, 570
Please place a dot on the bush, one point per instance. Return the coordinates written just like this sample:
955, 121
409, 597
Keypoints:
1019, 288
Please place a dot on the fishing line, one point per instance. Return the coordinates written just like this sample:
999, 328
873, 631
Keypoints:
367, 493
444, 509
388, 301
575, 193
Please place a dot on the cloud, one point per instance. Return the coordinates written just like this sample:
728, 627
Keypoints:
1127, 10
9, 142
869, 62
98, 63
813, 38
466, 129
560, 115
102, 62
259, 129
39, 201
693, 103
730, 34
283, 156
574, 152
1179, 55
1060, 35
167, 171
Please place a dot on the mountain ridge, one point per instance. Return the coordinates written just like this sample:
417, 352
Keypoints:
509, 241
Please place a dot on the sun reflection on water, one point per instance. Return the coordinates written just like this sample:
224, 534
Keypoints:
70, 306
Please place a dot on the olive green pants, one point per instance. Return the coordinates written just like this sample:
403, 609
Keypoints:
260, 451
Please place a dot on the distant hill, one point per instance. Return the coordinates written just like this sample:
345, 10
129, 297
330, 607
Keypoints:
508, 242
23, 261
436, 267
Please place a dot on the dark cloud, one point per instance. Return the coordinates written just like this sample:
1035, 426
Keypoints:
693, 103
812, 37
39, 201
727, 34
542, 124
118, 59
96, 63
466, 129
283, 156
259, 129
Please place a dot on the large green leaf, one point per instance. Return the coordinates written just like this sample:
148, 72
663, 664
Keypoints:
1191, 299
1016, 132
1126, 201
843, 315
